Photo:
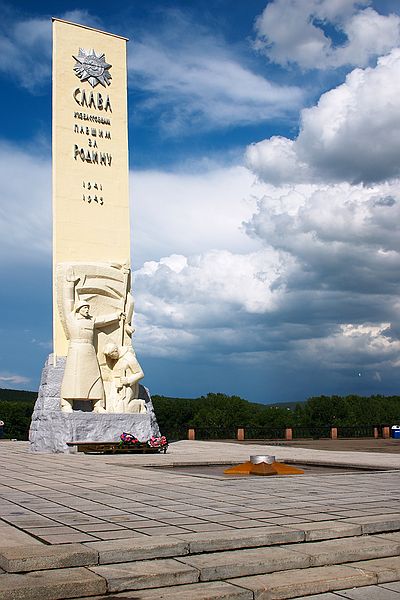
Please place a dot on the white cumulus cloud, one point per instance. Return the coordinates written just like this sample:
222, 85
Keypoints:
296, 32
190, 213
213, 300
351, 134
321, 293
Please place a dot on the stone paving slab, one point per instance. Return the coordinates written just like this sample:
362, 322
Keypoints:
394, 585
10, 536
35, 558
51, 585
67, 538
373, 524
117, 551
118, 535
360, 548
237, 563
231, 540
217, 590
328, 529
146, 574
289, 584
385, 569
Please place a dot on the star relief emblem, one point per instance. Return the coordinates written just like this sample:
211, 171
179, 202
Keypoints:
92, 67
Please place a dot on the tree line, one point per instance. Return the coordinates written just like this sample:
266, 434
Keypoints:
220, 415
223, 414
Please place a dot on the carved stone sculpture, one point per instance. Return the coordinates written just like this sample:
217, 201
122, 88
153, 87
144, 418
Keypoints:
93, 393
82, 377
109, 379
121, 383
52, 429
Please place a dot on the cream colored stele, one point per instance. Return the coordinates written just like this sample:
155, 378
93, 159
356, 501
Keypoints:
97, 231
96, 308
91, 230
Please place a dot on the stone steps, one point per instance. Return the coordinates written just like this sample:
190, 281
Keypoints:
277, 586
238, 563
235, 564
33, 555
169, 567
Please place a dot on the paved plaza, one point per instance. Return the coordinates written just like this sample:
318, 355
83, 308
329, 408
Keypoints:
81, 498
113, 503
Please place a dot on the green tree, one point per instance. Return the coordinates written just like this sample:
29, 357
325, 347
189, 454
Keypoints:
17, 418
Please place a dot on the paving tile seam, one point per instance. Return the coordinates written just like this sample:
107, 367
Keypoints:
237, 584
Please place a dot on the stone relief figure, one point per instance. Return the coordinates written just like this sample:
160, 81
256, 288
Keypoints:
82, 378
106, 287
122, 383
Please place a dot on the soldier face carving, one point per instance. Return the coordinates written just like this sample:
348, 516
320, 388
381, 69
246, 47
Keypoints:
111, 350
84, 311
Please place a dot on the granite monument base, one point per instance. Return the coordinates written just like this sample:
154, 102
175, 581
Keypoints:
51, 428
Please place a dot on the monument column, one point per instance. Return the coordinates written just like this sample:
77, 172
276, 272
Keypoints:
90, 387
90, 154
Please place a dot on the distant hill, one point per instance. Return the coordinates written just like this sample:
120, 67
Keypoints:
289, 405
17, 395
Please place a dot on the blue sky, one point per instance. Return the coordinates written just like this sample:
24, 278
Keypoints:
265, 191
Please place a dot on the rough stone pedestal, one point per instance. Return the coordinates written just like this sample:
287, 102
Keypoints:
51, 428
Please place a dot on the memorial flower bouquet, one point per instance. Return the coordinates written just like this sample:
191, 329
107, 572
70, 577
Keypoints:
127, 440
158, 442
